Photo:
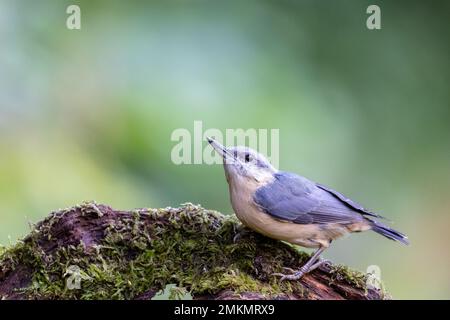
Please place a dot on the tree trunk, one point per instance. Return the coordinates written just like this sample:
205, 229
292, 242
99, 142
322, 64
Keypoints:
92, 251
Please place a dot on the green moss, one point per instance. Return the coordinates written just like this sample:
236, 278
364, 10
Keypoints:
190, 247
355, 278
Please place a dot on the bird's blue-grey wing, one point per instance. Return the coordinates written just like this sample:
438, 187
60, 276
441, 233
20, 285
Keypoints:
352, 204
296, 199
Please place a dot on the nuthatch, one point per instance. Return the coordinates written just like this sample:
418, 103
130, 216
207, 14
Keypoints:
288, 207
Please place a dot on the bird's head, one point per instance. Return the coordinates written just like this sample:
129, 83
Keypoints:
243, 163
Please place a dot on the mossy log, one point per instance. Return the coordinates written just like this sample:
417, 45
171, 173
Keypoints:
135, 254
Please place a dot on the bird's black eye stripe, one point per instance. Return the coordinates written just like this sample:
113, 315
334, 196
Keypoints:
247, 157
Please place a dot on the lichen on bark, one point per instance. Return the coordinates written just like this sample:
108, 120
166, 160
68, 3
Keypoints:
135, 254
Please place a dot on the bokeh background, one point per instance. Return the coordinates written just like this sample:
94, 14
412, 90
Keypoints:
88, 114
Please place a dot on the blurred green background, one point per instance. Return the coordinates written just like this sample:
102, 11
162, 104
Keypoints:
87, 114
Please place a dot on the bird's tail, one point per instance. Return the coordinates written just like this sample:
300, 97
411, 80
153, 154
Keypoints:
389, 233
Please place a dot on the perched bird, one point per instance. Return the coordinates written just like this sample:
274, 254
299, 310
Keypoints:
289, 207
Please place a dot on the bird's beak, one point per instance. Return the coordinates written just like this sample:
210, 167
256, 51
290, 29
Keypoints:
222, 150
217, 146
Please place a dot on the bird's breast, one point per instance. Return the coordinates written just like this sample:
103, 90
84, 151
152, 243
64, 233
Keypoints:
254, 218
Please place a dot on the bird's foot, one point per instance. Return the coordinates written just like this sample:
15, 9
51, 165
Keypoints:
322, 264
237, 237
297, 274
239, 232
294, 276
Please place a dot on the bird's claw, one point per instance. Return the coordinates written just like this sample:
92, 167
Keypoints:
294, 276
239, 233
325, 263
237, 237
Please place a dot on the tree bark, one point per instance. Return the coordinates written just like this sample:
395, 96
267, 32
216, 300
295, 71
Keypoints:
92, 251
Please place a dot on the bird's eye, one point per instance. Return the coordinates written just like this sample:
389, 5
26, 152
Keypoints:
247, 157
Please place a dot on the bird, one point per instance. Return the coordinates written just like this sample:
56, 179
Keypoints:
288, 207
